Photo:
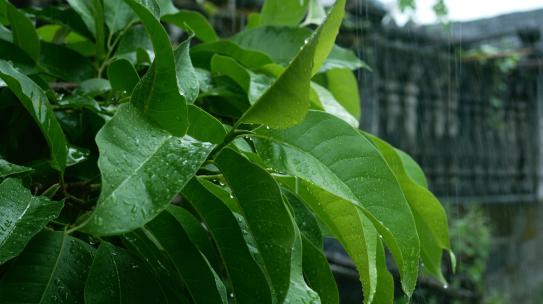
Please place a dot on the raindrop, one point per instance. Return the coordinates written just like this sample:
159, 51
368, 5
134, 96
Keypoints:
231, 196
445, 286
231, 295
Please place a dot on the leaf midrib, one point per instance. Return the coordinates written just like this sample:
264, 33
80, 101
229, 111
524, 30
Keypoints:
54, 268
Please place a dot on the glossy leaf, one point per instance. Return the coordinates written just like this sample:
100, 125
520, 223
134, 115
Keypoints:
52, 269
294, 82
341, 58
332, 106
267, 217
123, 76
118, 277
343, 85
24, 34
187, 80
92, 14
283, 12
36, 103
7, 169
192, 22
336, 157
21, 217
66, 17
348, 224
228, 236
143, 168
157, 94
413, 169
430, 216
190, 263
315, 13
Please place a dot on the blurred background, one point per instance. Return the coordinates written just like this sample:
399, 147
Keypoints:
458, 84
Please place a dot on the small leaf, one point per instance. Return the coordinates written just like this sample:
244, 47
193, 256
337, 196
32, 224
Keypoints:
157, 94
266, 214
122, 75
341, 58
118, 277
283, 12
193, 22
24, 34
187, 80
59, 265
36, 103
21, 217
227, 234
118, 15
336, 157
143, 168
190, 263
7, 169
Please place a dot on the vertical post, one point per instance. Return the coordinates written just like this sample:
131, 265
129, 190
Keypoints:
538, 143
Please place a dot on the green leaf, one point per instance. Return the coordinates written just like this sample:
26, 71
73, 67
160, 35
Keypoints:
118, 15
123, 76
283, 12
315, 265
118, 277
24, 34
187, 80
166, 7
332, 106
341, 58
21, 217
228, 236
348, 224
385, 282
36, 103
66, 17
190, 263
343, 85
143, 168
52, 269
252, 83
65, 63
430, 217
281, 44
201, 54
92, 13
316, 13
11, 52
336, 157
266, 215
193, 22
290, 92
413, 169
7, 169
157, 94
93, 87
204, 126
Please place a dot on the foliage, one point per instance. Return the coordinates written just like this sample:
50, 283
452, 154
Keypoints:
136, 170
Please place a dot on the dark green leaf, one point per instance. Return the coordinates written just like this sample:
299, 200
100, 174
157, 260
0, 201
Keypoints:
11, 52
143, 168
228, 236
266, 214
202, 54
205, 127
336, 157
92, 13
93, 87
157, 94
122, 75
193, 22
134, 40
283, 12
36, 103
187, 80
118, 277
7, 168
65, 63
24, 34
66, 17
190, 264
117, 15
21, 217
52, 269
